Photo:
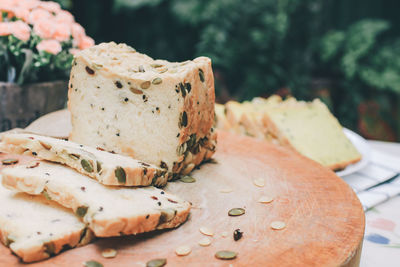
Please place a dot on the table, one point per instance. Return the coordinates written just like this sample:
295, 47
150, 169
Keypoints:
382, 231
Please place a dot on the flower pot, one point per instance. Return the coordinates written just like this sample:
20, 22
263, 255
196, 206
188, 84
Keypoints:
20, 105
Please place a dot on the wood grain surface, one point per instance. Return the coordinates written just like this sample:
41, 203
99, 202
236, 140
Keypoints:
324, 219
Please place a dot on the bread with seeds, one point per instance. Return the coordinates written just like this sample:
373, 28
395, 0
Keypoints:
108, 211
107, 168
35, 228
156, 111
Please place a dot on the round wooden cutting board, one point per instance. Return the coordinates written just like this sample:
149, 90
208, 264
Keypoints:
324, 219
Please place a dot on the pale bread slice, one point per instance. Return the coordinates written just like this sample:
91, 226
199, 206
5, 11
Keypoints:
109, 211
106, 167
35, 228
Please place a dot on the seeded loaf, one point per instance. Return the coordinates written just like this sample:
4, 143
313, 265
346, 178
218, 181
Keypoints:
108, 211
35, 228
152, 110
107, 168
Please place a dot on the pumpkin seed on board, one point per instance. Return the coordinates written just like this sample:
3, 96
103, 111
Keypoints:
260, 182
188, 179
156, 263
236, 212
183, 250
266, 199
109, 253
206, 231
92, 264
226, 255
205, 242
278, 225
9, 161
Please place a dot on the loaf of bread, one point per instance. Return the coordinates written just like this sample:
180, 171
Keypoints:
107, 168
108, 211
152, 110
35, 228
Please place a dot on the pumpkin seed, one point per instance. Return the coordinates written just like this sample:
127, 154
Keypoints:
98, 165
120, 174
192, 141
205, 241
157, 80
136, 91
46, 195
183, 250
50, 248
145, 85
162, 70
265, 199
188, 87
74, 156
167, 215
86, 165
183, 120
81, 211
206, 231
201, 75
9, 161
109, 253
225, 255
9, 240
156, 263
156, 65
278, 225
141, 68
97, 66
183, 89
181, 149
260, 182
188, 179
46, 146
93, 264
236, 212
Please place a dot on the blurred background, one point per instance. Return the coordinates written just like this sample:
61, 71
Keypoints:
345, 52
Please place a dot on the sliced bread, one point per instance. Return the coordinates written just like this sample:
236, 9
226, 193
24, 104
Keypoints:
156, 111
35, 228
109, 211
106, 167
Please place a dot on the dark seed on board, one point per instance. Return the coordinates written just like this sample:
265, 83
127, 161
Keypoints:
89, 70
237, 234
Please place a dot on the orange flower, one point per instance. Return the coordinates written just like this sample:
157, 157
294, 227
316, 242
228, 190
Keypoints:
5, 28
49, 46
21, 13
45, 28
21, 30
38, 14
62, 32
50, 6
86, 42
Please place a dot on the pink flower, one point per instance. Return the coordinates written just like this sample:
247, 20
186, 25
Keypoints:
5, 28
62, 32
28, 4
64, 17
50, 6
78, 32
7, 5
73, 51
49, 46
38, 14
21, 13
45, 28
21, 30
86, 42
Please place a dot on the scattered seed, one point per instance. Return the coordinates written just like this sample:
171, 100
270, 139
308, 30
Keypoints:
156, 80
236, 212
183, 119
201, 74
206, 231
277, 225
226, 190
81, 211
97, 66
74, 156
260, 182
145, 85
92, 264
9, 161
183, 250
89, 70
109, 253
46, 195
156, 65
136, 91
188, 179
156, 263
120, 174
86, 165
265, 199
225, 255
237, 234
162, 70
224, 234
205, 241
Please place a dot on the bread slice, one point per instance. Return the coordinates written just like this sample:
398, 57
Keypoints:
109, 211
310, 129
35, 228
156, 111
221, 122
107, 168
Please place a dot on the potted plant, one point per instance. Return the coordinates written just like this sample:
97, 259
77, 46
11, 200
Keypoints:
37, 43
